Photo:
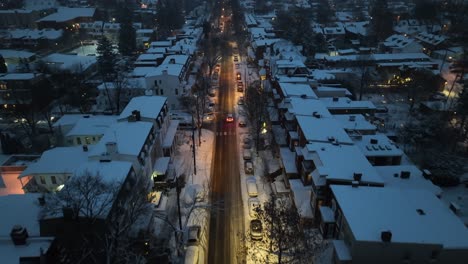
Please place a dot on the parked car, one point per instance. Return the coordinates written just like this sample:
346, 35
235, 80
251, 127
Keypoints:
248, 167
252, 190
241, 100
237, 65
242, 122
236, 59
256, 230
246, 154
229, 118
254, 203
240, 87
238, 76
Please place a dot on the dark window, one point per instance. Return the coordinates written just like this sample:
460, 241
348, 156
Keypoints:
42, 179
53, 179
78, 141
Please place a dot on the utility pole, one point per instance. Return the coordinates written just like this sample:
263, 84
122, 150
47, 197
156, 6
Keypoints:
193, 148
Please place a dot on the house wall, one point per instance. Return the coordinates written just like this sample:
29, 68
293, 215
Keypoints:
169, 86
82, 140
45, 180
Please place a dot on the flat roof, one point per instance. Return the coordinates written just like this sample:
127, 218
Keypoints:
304, 106
129, 136
57, 160
149, 106
416, 181
346, 103
339, 163
297, 90
384, 147
20, 209
323, 129
93, 125
355, 122
412, 216
65, 14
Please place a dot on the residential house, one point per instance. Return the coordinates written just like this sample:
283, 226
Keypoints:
356, 124
379, 149
21, 240
53, 169
344, 105
31, 39
10, 169
121, 90
401, 44
154, 109
16, 89
88, 130
394, 225
19, 18
67, 18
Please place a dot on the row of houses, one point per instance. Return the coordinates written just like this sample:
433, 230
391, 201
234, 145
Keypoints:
352, 182
123, 150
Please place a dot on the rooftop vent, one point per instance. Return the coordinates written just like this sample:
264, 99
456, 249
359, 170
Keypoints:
405, 174
420, 211
455, 207
335, 99
111, 147
427, 174
357, 176
316, 115
137, 115
386, 236
85, 148
19, 235
303, 96
374, 141
331, 139
354, 184
352, 118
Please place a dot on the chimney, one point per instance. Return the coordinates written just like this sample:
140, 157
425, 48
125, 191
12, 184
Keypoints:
111, 148
172, 60
374, 141
68, 213
19, 235
405, 174
427, 174
386, 236
357, 176
352, 118
85, 148
41, 200
335, 99
137, 115
354, 184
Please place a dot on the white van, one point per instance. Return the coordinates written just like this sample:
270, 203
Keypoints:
252, 188
247, 155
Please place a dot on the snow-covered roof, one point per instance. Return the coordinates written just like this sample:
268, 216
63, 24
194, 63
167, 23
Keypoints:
149, 106
297, 90
176, 59
304, 106
339, 163
65, 14
161, 165
69, 119
338, 29
157, 50
128, 83
24, 210
170, 69
322, 129
129, 137
149, 57
10, 53
412, 216
18, 76
290, 63
20, 209
355, 122
377, 57
28, 34
40, 4
384, 147
392, 175
346, 103
57, 160
430, 38
74, 63
110, 172
322, 74
161, 43
301, 198
92, 125
288, 158
397, 41
358, 28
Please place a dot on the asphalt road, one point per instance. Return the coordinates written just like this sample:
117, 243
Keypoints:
227, 215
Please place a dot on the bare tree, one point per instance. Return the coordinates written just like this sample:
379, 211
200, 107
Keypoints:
255, 109
101, 219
